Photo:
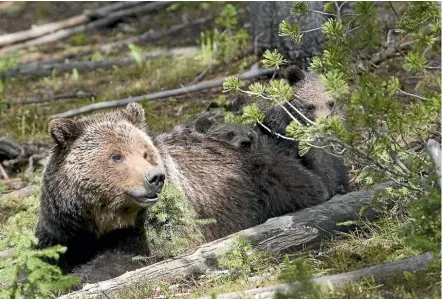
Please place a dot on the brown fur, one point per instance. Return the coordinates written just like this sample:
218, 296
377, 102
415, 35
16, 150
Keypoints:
240, 136
102, 175
238, 189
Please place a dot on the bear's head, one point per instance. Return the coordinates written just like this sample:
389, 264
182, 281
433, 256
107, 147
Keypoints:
106, 166
310, 95
239, 136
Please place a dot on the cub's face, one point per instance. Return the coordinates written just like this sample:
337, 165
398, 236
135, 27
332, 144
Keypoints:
240, 136
111, 161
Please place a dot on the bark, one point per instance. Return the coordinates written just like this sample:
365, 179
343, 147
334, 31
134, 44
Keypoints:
46, 69
162, 94
265, 19
378, 272
100, 23
287, 233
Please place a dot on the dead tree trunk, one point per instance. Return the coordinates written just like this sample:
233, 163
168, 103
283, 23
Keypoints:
305, 227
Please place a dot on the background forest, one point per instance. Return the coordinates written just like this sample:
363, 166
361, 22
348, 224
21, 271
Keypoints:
381, 62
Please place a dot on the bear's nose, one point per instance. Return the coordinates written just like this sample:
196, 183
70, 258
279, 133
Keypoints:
155, 178
245, 144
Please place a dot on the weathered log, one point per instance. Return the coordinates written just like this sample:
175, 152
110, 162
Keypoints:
46, 69
100, 23
162, 94
290, 232
15, 201
378, 272
38, 31
10, 149
64, 96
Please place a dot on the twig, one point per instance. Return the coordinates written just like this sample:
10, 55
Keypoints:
3, 173
392, 8
44, 69
162, 94
274, 132
413, 95
398, 162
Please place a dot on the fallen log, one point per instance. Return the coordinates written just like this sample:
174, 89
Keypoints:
378, 272
46, 69
290, 232
64, 96
163, 94
100, 23
13, 154
147, 37
38, 31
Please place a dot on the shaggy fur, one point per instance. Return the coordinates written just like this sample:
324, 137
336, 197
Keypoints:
94, 193
239, 189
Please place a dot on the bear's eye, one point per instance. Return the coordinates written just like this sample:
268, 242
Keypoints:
311, 107
250, 136
331, 104
230, 135
145, 155
117, 158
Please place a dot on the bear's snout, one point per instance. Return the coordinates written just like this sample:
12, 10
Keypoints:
154, 179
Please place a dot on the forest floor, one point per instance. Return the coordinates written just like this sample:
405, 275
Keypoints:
28, 123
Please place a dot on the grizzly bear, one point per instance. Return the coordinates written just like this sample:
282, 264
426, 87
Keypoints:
312, 100
102, 175
105, 171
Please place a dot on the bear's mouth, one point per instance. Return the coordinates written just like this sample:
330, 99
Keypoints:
146, 199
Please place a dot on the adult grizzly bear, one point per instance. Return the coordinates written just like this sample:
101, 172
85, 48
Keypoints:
105, 171
102, 175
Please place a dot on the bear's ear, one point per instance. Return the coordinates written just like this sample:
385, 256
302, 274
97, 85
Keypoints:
135, 114
294, 74
64, 130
